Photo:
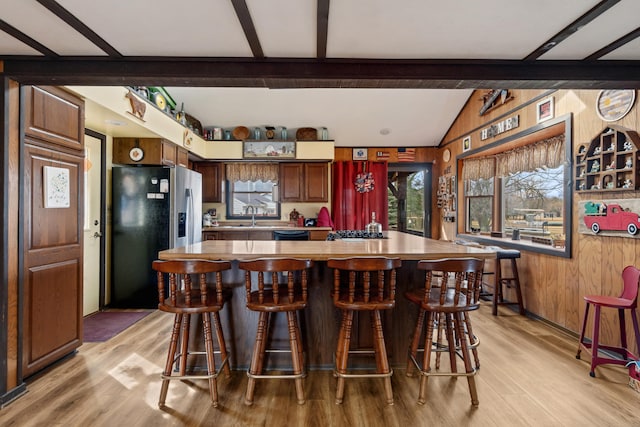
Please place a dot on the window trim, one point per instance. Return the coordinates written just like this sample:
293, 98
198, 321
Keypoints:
568, 185
229, 206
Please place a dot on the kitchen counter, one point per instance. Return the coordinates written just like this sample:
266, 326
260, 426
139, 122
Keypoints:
262, 227
257, 232
320, 318
402, 245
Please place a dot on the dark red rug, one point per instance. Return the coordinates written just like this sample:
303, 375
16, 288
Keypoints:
103, 325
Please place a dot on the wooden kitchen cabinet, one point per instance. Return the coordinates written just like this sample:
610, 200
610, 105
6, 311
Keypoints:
182, 157
304, 182
52, 245
257, 234
238, 235
168, 153
291, 182
53, 116
212, 180
155, 152
316, 182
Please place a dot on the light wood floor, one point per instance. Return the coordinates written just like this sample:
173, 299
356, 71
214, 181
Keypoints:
529, 376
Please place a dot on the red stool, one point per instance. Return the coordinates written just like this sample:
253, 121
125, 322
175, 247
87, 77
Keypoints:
627, 301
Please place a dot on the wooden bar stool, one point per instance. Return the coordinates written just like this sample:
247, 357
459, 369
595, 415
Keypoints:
363, 284
451, 290
500, 280
628, 300
270, 294
192, 295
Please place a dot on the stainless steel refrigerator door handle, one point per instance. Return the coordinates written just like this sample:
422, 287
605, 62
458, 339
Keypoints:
190, 210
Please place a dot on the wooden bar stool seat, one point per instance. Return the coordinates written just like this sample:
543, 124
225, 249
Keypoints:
188, 294
278, 285
628, 300
451, 290
363, 284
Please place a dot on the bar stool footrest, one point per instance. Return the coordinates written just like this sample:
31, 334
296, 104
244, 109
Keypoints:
277, 376
441, 374
193, 376
363, 375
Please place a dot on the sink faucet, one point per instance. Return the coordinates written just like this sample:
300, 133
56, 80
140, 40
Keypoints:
253, 219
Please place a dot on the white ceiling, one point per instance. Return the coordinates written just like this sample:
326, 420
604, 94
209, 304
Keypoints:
259, 31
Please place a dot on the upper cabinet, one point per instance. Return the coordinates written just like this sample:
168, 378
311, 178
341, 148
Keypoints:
316, 178
211, 181
609, 162
304, 182
54, 116
148, 151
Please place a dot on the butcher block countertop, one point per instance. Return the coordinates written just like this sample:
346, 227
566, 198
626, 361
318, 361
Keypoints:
396, 244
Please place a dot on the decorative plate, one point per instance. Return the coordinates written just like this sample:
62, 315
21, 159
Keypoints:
613, 105
446, 155
136, 154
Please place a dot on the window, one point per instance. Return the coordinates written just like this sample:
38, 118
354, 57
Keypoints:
248, 199
533, 202
479, 195
522, 194
251, 191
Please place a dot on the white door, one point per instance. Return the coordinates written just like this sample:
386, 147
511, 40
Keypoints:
92, 226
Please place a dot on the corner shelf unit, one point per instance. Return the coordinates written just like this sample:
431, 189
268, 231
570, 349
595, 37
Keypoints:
609, 162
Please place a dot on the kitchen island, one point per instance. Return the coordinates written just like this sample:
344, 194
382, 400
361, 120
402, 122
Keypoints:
320, 320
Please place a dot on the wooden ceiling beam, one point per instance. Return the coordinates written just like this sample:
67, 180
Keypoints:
303, 73
242, 11
80, 27
322, 25
35, 45
572, 28
632, 35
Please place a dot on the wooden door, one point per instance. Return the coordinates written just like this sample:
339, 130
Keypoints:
92, 227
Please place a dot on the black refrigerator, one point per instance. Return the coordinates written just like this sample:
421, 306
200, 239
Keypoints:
153, 208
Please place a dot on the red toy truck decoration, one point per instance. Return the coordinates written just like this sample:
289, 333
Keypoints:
602, 217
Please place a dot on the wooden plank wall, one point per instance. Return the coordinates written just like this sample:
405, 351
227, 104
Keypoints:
554, 286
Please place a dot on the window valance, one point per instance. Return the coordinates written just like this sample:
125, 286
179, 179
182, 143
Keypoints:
479, 168
546, 153
253, 172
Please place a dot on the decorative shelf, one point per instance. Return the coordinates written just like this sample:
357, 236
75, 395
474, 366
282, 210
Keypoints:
609, 162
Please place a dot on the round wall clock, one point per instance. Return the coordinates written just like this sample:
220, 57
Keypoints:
613, 105
136, 154
446, 155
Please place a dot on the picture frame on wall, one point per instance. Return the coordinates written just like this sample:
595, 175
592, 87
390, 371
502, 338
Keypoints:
268, 149
57, 187
466, 143
360, 154
544, 110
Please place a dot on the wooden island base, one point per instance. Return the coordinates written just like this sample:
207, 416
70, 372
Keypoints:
320, 320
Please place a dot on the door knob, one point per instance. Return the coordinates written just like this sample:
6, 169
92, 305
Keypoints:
97, 234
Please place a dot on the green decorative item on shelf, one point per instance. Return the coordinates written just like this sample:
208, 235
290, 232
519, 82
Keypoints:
161, 98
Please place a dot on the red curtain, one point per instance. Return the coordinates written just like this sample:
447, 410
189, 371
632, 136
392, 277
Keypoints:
351, 208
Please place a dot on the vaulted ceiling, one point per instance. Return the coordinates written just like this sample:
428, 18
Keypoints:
374, 72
